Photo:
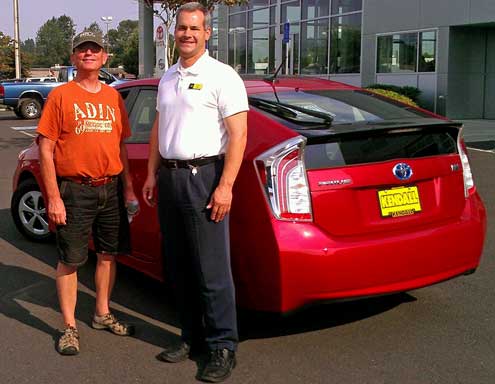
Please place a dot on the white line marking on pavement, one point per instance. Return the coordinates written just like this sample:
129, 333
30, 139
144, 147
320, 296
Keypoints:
27, 128
28, 134
482, 150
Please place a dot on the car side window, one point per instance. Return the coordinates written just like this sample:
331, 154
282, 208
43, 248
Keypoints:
105, 77
124, 93
142, 116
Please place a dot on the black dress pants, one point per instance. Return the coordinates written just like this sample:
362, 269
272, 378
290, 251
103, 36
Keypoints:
197, 255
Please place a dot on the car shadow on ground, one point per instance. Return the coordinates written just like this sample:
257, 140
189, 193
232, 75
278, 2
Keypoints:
150, 299
487, 145
10, 115
255, 325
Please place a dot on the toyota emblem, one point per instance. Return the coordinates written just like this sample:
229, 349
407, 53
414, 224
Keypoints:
402, 171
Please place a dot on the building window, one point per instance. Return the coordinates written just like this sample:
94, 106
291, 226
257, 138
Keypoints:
314, 47
398, 53
290, 11
312, 9
253, 4
237, 49
259, 18
291, 57
260, 52
427, 49
213, 41
344, 6
237, 21
345, 44
238, 8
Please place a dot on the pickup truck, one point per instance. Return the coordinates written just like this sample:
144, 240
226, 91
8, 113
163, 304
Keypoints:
27, 98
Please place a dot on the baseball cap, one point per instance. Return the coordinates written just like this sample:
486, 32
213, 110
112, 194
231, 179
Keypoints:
88, 36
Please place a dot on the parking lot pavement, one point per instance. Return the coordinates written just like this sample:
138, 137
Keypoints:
442, 334
479, 134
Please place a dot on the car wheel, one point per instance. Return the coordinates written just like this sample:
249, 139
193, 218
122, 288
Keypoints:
29, 211
30, 109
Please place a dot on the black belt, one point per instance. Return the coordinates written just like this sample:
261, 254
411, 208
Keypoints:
198, 162
91, 181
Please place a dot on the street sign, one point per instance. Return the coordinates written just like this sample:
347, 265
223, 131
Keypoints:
286, 32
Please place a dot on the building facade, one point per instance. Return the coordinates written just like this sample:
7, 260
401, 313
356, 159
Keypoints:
446, 48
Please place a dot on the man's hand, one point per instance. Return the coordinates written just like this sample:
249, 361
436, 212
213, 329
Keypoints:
220, 203
129, 196
56, 211
148, 191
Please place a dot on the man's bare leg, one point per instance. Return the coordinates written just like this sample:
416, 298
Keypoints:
66, 277
104, 281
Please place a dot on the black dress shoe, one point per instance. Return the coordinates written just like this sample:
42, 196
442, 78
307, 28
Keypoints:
176, 353
219, 366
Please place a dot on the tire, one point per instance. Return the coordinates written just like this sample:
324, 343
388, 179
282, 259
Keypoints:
29, 213
30, 109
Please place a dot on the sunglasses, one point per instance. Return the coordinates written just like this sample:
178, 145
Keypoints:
94, 48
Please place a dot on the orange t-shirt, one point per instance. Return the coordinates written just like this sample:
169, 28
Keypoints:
87, 128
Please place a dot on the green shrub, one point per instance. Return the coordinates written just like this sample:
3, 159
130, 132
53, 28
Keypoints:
408, 91
393, 95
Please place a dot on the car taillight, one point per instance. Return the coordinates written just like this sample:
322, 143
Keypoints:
466, 168
282, 175
2, 91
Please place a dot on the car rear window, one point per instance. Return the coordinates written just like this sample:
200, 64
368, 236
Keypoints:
345, 106
363, 127
370, 147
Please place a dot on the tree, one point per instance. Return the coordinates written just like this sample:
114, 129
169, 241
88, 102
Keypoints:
7, 59
28, 46
94, 27
131, 54
54, 41
6, 44
124, 45
167, 11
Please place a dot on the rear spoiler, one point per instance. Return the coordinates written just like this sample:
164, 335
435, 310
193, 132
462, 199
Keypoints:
366, 128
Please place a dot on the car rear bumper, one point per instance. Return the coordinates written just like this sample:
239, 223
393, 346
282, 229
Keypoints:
315, 267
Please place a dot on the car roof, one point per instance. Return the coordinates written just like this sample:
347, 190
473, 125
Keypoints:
256, 84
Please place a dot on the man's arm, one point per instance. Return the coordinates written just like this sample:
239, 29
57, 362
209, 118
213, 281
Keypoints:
56, 207
221, 200
153, 164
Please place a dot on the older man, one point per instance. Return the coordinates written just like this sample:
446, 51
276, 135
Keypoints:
83, 167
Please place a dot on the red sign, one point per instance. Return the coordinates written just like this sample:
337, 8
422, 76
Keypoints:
159, 33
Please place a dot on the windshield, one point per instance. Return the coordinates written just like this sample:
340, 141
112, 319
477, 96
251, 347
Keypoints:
344, 107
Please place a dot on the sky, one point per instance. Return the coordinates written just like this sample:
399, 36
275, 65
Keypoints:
34, 13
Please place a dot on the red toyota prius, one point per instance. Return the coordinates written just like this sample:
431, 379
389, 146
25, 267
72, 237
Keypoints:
342, 193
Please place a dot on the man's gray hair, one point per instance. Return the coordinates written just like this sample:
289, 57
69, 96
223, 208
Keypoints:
194, 6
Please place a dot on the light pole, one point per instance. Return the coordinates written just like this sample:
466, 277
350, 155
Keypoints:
107, 20
17, 51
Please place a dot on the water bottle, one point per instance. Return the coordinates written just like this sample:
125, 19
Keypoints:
132, 209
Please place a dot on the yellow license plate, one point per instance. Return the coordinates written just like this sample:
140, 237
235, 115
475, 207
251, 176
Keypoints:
401, 201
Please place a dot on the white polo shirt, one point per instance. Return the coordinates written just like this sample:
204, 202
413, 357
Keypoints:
192, 103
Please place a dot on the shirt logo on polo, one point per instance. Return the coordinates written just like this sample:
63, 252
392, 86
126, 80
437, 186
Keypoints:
196, 86
93, 118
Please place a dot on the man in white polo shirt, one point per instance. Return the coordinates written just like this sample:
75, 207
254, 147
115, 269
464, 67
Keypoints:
197, 145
